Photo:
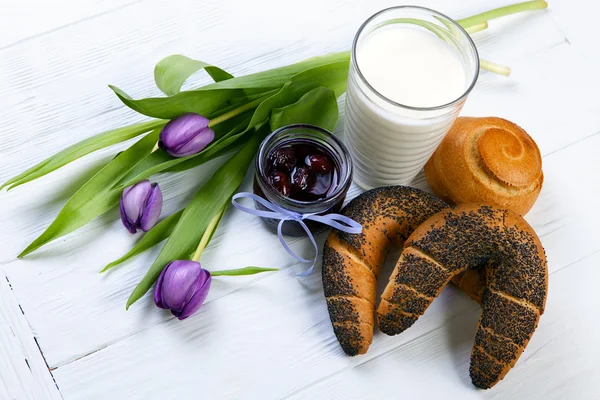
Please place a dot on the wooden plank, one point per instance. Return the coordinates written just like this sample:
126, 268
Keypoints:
233, 346
22, 20
42, 278
560, 362
57, 82
23, 371
243, 336
52, 93
34, 86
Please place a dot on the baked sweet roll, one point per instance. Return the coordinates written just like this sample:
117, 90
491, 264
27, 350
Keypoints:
351, 263
489, 161
512, 277
503, 258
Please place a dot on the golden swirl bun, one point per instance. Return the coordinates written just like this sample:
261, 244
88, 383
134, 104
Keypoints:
487, 160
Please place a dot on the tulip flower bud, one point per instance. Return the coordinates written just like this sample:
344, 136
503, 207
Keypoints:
186, 135
140, 206
182, 287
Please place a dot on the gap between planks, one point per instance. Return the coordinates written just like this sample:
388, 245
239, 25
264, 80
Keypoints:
69, 24
31, 378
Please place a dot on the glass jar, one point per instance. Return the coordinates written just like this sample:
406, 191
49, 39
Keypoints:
325, 142
391, 142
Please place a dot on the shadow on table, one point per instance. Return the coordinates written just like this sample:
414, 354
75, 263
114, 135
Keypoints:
460, 330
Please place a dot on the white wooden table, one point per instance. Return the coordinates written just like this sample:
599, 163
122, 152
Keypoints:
64, 331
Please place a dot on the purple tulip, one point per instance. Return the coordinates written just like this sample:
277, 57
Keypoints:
140, 206
182, 287
186, 135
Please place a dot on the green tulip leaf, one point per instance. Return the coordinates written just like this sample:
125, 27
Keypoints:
333, 76
330, 76
81, 149
154, 236
193, 101
204, 103
96, 196
216, 96
325, 112
323, 115
242, 271
212, 197
317, 107
102, 191
171, 72
277, 77
144, 168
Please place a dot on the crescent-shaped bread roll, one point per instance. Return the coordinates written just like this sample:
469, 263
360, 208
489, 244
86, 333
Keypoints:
489, 161
351, 263
506, 262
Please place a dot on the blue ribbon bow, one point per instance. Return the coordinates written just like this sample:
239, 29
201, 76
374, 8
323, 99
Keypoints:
337, 221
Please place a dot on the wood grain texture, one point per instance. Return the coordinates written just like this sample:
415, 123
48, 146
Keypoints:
269, 336
548, 358
227, 331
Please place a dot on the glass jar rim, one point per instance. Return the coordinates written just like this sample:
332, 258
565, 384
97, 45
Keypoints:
439, 14
293, 203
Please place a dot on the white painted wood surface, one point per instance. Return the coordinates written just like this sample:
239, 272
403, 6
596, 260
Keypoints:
269, 336
23, 371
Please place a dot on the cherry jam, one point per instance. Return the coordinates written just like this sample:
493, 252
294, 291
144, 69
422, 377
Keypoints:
305, 169
302, 170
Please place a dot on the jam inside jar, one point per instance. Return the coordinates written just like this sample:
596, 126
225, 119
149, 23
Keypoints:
305, 169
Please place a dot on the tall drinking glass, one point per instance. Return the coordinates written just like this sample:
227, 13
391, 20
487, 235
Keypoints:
390, 142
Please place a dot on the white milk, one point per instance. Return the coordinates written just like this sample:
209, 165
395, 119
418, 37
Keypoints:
391, 137
411, 66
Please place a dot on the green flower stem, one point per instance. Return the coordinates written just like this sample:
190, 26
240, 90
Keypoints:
477, 28
237, 111
502, 12
479, 22
495, 68
242, 271
208, 233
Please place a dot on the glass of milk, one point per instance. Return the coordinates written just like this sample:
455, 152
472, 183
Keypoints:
411, 71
